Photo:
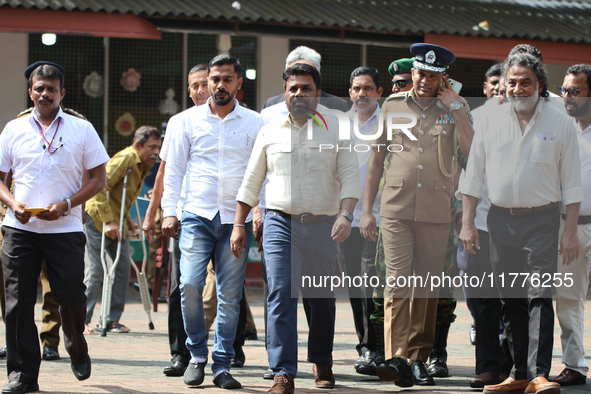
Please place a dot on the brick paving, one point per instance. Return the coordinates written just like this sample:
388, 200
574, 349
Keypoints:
132, 363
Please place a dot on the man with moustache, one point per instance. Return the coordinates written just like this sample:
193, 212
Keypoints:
47, 153
529, 153
103, 214
302, 225
212, 145
415, 207
357, 254
199, 94
570, 301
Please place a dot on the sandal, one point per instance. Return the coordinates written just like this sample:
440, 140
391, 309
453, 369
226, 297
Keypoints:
118, 327
88, 330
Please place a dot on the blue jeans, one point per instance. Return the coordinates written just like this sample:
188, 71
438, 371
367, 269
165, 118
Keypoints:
201, 240
293, 250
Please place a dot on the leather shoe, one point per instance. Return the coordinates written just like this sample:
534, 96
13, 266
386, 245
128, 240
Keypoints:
176, 368
568, 377
420, 375
82, 371
50, 353
365, 364
226, 381
239, 358
508, 385
268, 374
541, 385
485, 379
396, 370
323, 376
3, 352
20, 387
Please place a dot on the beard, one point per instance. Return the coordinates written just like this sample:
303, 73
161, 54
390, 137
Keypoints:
575, 111
223, 101
524, 102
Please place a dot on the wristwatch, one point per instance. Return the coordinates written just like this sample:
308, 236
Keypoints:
69, 207
347, 215
455, 106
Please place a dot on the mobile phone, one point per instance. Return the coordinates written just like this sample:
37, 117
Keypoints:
455, 85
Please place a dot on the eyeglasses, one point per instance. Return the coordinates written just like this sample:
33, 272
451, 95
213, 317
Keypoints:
573, 92
401, 83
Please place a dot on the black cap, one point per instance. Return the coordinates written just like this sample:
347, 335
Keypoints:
432, 58
33, 66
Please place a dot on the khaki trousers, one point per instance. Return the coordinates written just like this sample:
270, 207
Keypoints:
414, 252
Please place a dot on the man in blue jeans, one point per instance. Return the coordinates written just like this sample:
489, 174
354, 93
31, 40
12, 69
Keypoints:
302, 162
211, 145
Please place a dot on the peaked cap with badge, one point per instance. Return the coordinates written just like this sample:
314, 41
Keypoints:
432, 58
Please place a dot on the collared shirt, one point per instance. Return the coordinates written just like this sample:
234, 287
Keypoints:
213, 153
302, 173
414, 186
528, 169
103, 211
41, 178
584, 139
363, 155
279, 111
163, 156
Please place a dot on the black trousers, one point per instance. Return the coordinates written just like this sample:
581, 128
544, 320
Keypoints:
486, 303
357, 257
22, 254
176, 329
526, 245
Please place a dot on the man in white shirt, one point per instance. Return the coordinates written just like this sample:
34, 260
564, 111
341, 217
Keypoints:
529, 152
211, 146
570, 301
301, 162
47, 153
357, 255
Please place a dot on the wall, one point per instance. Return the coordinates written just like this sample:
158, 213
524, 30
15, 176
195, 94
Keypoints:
15, 50
271, 63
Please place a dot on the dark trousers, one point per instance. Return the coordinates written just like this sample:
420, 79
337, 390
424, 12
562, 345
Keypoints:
176, 329
526, 244
486, 307
357, 258
22, 254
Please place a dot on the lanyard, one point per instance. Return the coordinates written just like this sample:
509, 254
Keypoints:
49, 143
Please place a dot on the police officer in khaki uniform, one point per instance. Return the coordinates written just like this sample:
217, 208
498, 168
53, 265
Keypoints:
415, 209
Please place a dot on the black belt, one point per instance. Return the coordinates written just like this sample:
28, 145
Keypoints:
582, 219
524, 211
305, 218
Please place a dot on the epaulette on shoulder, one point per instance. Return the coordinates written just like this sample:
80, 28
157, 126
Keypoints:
70, 111
396, 96
25, 112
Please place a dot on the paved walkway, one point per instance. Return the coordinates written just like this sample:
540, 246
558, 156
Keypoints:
133, 363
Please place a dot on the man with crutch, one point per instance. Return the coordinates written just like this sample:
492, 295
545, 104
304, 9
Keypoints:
136, 159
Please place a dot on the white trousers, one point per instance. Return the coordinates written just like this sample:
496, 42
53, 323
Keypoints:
570, 302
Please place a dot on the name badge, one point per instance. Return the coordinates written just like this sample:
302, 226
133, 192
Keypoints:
444, 119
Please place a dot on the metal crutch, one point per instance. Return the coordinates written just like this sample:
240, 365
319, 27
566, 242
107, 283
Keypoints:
109, 272
141, 277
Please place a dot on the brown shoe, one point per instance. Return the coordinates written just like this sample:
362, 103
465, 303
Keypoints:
508, 386
282, 384
484, 379
568, 377
540, 385
323, 377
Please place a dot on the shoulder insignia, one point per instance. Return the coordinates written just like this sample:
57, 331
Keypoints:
70, 111
25, 112
396, 96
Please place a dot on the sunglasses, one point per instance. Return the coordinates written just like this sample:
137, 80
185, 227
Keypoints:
573, 92
401, 83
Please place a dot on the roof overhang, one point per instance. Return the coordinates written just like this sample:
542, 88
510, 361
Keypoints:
100, 24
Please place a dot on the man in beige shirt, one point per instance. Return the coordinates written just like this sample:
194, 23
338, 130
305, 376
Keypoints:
302, 162
529, 152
